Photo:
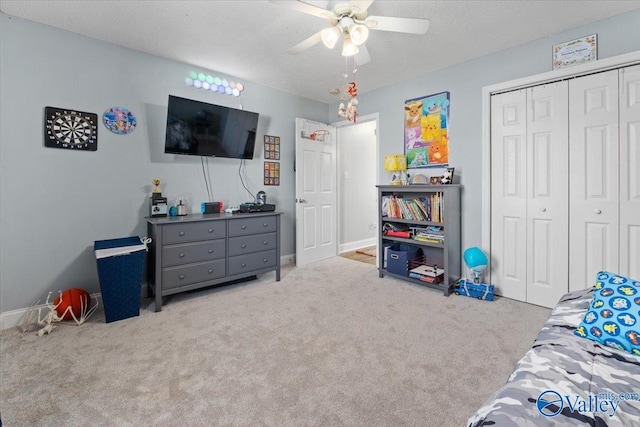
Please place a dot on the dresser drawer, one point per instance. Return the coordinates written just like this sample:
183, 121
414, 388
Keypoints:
251, 262
193, 232
175, 277
250, 244
193, 252
245, 226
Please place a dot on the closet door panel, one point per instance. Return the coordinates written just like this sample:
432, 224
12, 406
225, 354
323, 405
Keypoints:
630, 171
593, 179
547, 193
508, 189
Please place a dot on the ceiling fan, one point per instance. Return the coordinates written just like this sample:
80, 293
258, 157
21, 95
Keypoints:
350, 19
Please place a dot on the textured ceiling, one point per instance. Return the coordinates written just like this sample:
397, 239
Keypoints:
247, 40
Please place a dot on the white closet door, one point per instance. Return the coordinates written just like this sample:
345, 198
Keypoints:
593, 166
508, 194
547, 193
630, 171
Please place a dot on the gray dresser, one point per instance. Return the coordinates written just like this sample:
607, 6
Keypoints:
196, 251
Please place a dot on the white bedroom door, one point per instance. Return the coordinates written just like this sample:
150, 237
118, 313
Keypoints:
547, 242
594, 195
509, 194
630, 171
316, 192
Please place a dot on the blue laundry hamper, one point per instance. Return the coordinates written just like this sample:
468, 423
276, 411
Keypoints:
120, 266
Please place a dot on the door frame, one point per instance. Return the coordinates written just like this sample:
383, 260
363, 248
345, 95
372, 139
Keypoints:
361, 119
624, 60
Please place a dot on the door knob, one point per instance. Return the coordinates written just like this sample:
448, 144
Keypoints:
543, 209
598, 211
301, 201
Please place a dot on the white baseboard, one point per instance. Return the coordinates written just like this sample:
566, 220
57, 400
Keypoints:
14, 318
352, 246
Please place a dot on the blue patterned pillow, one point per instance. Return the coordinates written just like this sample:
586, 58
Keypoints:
613, 318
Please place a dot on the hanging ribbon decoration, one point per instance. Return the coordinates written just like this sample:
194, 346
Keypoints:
349, 92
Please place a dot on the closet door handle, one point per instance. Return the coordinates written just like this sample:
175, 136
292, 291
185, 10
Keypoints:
598, 211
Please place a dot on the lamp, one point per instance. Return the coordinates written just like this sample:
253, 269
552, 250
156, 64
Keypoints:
358, 33
396, 163
330, 36
477, 262
348, 48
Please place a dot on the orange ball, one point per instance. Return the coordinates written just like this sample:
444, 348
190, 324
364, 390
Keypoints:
75, 298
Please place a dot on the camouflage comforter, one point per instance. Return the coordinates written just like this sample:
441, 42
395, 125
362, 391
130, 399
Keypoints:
565, 380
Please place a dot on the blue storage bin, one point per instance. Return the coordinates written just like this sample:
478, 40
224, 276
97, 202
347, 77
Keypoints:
399, 256
120, 266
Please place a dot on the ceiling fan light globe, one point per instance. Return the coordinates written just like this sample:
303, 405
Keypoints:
330, 36
348, 48
359, 33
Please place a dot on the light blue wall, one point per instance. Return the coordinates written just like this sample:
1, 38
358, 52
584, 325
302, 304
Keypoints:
617, 35
55, 203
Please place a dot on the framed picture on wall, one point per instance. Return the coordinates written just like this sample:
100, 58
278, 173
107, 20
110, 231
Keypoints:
575, 52
426, 131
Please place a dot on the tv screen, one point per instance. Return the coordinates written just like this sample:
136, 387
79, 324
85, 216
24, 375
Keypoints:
203, 129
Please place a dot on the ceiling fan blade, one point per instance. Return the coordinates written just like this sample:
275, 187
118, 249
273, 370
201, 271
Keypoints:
359, 6
305, 44
304, 8
400, 25
362, 57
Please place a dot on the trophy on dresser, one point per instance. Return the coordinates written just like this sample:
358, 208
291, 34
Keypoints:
157, 203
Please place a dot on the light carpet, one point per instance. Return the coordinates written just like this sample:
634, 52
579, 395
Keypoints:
331, 344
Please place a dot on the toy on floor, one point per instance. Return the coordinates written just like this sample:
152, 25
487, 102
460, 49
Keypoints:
69, 304
473, 287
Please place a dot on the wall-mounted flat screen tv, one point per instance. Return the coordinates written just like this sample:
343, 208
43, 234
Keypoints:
202, 129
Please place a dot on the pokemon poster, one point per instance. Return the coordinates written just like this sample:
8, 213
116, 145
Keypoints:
426, 136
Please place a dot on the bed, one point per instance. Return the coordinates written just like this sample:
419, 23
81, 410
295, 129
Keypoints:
567, 380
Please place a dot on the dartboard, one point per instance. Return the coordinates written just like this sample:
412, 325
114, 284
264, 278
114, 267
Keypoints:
70, 129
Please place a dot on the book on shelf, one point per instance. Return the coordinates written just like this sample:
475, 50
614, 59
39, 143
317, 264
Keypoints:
427, 279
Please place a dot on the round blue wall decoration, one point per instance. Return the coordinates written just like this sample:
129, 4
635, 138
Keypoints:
119, 120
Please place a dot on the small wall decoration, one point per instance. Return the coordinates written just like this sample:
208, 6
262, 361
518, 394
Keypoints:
271, 173
575, 52
119, 120
214, 84
272, 147
426, 133
70, 129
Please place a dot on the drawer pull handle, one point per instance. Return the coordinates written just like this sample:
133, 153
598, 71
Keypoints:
182, 233
265, 260
243, 265
210, 251
211, 230
181, 255
265, 243
265, 225
244, 246
244, 227
181, 277
210, 270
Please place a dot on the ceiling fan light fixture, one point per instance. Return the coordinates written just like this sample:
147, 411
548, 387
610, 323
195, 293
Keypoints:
348, 48
330, 36
358, 33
